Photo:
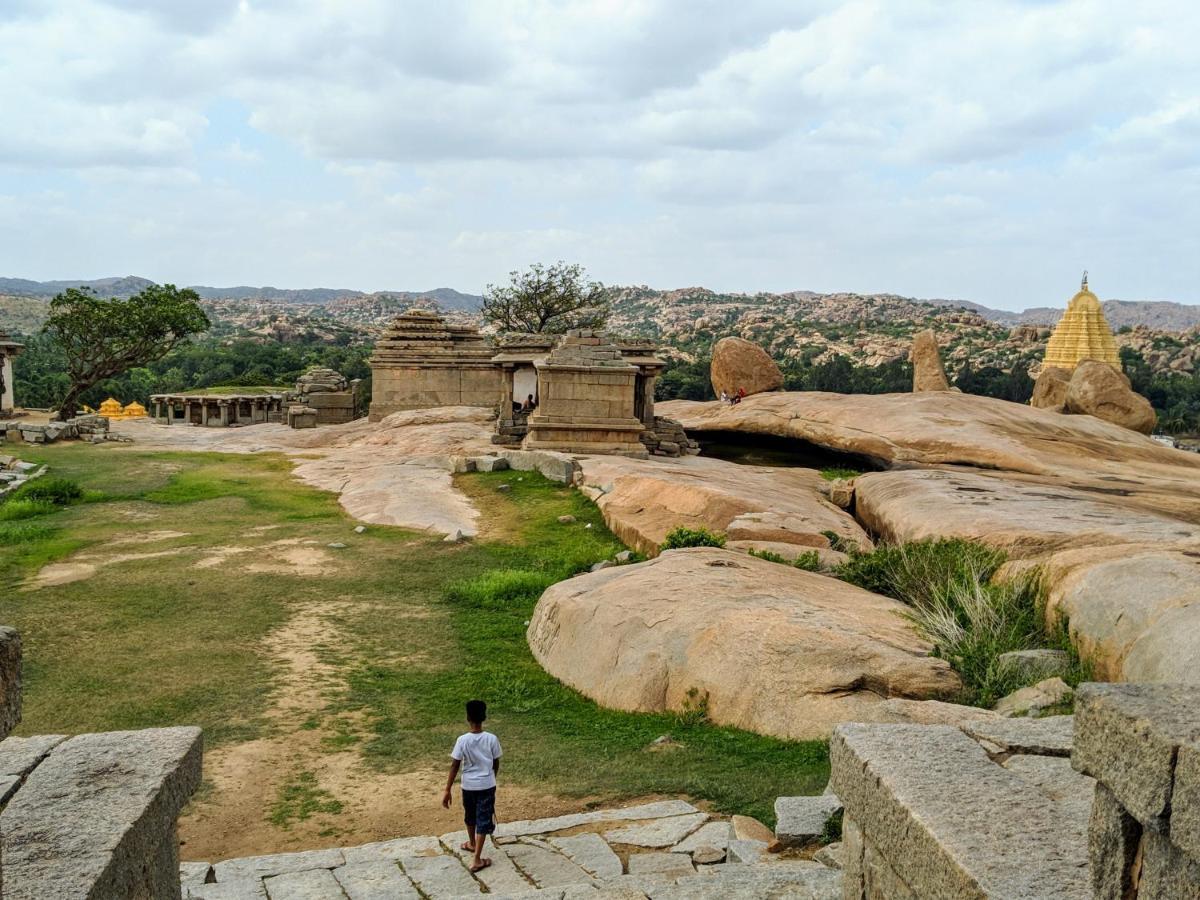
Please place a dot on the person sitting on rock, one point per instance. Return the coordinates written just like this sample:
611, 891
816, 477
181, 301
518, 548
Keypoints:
725, 397
530, 404
477, 753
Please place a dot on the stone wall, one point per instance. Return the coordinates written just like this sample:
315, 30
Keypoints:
415, 386
1141, 742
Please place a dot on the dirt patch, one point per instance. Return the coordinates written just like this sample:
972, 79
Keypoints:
305, 561
60, 573
148, 537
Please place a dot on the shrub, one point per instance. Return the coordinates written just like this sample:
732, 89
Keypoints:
59, 491
809, 561
768, 555
919, 572
24, 532
836, 473
500, 589
691, 537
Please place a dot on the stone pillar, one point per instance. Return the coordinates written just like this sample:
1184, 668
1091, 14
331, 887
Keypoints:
1141, 742
187, 412
506, 396
224, 405
6, 399
648, 381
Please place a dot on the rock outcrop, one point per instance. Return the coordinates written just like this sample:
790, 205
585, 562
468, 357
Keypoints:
643, 500
928, 372
950, 429
758, 645
1050, 389
738, 364
1097, 389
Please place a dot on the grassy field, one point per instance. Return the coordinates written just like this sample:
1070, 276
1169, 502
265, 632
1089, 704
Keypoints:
194, 561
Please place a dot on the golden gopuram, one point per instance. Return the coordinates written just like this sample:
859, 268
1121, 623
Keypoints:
1082, 333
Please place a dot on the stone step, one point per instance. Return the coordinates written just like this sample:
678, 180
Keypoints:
378, 880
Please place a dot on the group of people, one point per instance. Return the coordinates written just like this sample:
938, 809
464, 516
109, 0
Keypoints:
734, 399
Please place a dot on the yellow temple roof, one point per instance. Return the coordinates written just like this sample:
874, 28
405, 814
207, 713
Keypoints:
134, 410
1082, 333
111, 407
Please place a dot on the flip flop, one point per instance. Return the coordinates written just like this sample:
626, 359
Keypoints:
483, 864
467, 845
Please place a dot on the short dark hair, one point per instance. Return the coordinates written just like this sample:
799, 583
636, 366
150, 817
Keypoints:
476, 712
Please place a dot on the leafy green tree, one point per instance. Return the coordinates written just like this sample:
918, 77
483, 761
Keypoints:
546, 300
105, 337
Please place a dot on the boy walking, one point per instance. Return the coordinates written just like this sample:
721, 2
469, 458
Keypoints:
477, 753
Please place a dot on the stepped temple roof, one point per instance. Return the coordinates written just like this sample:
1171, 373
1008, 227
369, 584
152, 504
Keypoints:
419, 336
1082, 333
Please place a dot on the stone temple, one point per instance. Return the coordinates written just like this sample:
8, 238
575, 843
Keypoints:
1082, 333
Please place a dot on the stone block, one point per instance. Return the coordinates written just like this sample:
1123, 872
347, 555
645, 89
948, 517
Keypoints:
800, 821
19, 755
441, 877
1128, 736
378, 880
1185, 802
1166, 871
241, 889
194, 874
97, 817
591, 852
391, 850
659, 833
711, 834
1113, 839
313, 884
10, 680
948, 821
1049, 736
853, 859
1035, 665
671, 865
490, 464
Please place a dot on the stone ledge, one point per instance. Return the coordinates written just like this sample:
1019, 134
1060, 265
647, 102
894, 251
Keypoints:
948, 821
97, 817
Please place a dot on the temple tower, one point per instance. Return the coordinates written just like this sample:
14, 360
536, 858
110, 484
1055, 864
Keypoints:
1082, 333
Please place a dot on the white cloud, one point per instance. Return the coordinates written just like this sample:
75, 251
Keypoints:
967, 149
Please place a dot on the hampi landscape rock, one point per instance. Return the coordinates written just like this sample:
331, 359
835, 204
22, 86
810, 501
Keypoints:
740, 365
773, 649
1050, 389
1097, 389
643, 500
928, 372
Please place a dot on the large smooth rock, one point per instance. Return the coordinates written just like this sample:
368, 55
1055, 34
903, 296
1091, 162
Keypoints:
944, 428
1133, 610
1021, 518
1050, 389
642, 500
773, 649
1097, 389
740, 364
928, 372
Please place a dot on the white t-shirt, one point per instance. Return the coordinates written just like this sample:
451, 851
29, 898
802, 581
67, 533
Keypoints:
476, 752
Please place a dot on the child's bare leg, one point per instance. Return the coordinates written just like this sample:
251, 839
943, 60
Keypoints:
480, 840
469, 846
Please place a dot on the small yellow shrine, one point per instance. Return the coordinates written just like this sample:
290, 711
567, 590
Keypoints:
111, 408
134, 410
1082, 333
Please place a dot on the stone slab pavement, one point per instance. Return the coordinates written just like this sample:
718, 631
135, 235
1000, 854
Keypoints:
583, 856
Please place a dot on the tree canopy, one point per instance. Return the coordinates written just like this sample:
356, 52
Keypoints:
549, 299
102, 337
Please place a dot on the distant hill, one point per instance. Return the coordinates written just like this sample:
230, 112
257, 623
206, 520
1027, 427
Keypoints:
447, 298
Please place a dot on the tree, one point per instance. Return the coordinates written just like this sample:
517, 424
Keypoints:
103, 337
550, 300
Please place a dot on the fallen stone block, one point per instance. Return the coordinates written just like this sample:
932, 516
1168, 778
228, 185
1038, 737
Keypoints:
800, 821
1030, 701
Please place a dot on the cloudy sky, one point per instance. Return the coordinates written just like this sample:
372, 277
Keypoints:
980, 150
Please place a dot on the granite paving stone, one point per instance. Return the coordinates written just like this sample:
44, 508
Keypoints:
313, 884
18, 755
440, 877
659, 833
801, 820
502, 876
194, 873
375, 880
393, 849
657, 810
278, 864
546, 867
711, 834
672, 865
591, 852
237, 889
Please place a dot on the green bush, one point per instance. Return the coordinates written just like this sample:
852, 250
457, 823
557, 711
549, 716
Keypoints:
809, 561
768, 555
500, 589
919, 572
691, 537
59, 491
22, 508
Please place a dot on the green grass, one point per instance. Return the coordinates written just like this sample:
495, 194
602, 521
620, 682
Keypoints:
836, 473
300, 799
421, 626
691, 537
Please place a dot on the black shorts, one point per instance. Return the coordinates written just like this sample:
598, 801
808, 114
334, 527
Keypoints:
479, 808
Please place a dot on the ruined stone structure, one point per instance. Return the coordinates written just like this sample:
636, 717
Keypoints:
518, 382
217, 409
333, 398
1082, 333
586, 399
8, 351
422, 361
1104, 804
